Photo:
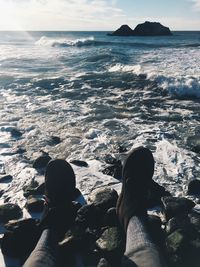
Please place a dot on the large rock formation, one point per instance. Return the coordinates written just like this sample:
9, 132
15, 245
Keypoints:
143, 29
151, 29
124, 30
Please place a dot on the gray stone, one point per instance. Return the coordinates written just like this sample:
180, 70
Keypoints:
16, 133
179, 222
79, 163
124, 30
194, 187
174, 206
41, 162
104, 198
103, 263
194, 143
111, 242
195, 220
6, 179
9, 212
176, 241
73, 240
35, 204
151, 29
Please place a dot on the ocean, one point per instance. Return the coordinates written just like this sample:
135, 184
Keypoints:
102, 96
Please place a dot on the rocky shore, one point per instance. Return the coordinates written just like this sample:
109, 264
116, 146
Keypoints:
96, 234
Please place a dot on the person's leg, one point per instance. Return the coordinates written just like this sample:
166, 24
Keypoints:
59, 213
137, 175
45, 253
140, 250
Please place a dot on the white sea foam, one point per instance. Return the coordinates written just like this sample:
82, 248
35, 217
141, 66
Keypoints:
45, 41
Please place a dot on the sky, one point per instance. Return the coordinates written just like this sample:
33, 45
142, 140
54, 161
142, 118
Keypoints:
92, 15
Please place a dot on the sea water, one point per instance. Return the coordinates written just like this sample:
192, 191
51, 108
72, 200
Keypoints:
98, 93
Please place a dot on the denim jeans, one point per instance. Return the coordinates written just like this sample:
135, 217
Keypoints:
45, 253
140, 250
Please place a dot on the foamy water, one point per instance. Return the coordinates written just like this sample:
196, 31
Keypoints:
97, 93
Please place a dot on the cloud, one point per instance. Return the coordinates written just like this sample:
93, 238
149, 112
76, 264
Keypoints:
60, 14
196, 4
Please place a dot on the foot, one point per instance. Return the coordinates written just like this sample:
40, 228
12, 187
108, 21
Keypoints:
137, 175
60, 190
60, 183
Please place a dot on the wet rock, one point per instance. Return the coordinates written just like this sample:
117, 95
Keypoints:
90, 216
194, 187
195, 220
21, 238
103, 198
176, 241
111, 242
16, 133
22, 223
114, 170
111, 218
194, 143
79, 163
34, 190
174, 206
1, 193
55, 140
9, 212
41, 162
6, 179
103, 263
156, 192
109, 159
179, 222
155, 230
34, 204
124, 30
151, 29
74, 239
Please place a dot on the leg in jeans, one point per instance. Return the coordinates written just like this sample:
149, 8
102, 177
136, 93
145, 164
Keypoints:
140, 250
137, 176
45, 253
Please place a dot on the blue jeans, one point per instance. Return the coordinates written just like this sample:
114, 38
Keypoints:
140, 250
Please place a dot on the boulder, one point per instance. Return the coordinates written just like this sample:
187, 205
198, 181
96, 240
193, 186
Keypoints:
174, 206
41, 162
194, 187
90, 216
179, 222
34, 190
21, 238
55, 140
35, 204
124, 30
156, 192
151, 29
115, 170
111, 218
194, 143
111, 242
103, 263
104, 198
6, 179
16, 133
144, 29
195, 220
9, 212
79, 163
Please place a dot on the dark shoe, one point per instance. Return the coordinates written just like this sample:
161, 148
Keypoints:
60, 183
60, 190
137, 175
